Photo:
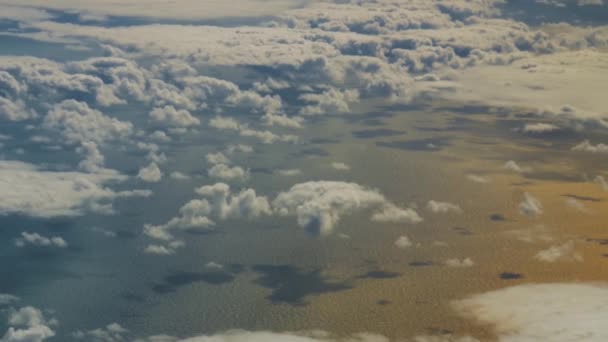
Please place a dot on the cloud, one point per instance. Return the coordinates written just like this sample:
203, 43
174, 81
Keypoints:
217, 203
587, 146
602, 182
511, 165
169, 116
289, 172
185, 10
457, 263
217, 158
394, 214
6, 299
36, 239
77, 122
29, 190
340, 166
266, 137
225, 172
27, 324
478, 179
443, 207
110, 333
318, 206
403, 242
562, 252
539, 128
530, 206
176, 175
547, 312
332, 101
150, 173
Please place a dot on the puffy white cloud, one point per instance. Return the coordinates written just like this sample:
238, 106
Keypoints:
530, 205
282, 120
239, 148
511, 165
225, 123
563, 252
178, 176
403, 242
218, 203
27, 324
587, 146
32, 191
443, 207
217, 158
394, 214
110, 333
332, 101
15, 110
225, 172
340, 166
36, 239
266, 137
318, 206
169, 116
150, 173
466, 262
77, 122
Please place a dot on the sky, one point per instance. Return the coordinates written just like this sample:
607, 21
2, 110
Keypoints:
303, 170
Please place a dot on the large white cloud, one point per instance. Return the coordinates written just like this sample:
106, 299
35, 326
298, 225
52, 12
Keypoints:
543, 312
218, 203
318, 206
27, 189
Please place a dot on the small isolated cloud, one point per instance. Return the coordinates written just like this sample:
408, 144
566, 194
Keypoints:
225, 172
576, 204
239, 148
530, 206
150, 173
110, 333
170, 249
394, 214
511, 165
340, 166
602, 182
289, 172
539, 128
587, 146
466, 262
318, 206
403, 242
443, 207
35, 239
564, 252
176, 175
217, 158
6, 299
478, 179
